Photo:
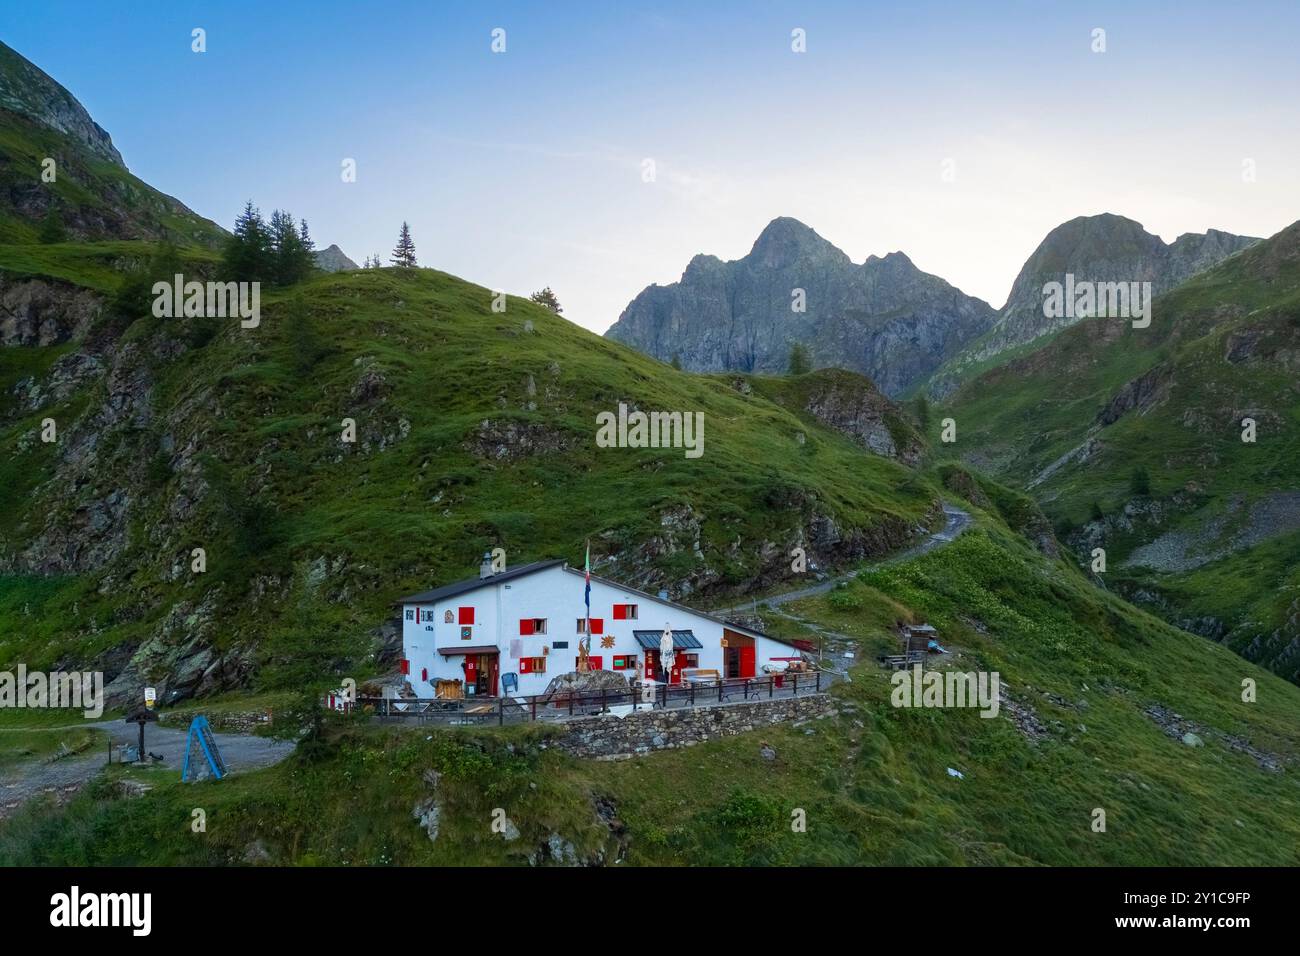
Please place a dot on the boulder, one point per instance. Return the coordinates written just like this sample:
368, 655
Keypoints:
592, 682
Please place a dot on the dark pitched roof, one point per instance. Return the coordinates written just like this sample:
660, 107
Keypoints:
690, 610
473, 584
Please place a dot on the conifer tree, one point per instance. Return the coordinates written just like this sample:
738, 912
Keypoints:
292, 258
248, 256
52, 228
547, 298
404, 254
800, 360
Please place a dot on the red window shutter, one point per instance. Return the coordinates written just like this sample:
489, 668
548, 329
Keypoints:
525, 625
525, 665
596, 662
598, 625
424, 673
620, 612
466, 615
746, 662
406, 667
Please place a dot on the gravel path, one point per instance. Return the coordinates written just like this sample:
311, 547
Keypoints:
956, 521
63, 777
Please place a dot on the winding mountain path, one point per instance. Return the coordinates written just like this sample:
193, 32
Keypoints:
955, 522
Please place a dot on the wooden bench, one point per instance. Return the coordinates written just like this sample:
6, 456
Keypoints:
701, 674
897, 661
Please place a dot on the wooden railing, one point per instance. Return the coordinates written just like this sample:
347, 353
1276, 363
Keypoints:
560, 705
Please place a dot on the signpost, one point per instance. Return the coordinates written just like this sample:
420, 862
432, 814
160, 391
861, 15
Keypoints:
141, 716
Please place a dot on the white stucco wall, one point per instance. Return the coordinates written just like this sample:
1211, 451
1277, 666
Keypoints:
555, 594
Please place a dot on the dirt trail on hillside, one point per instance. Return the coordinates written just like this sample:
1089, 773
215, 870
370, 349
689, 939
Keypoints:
955, 522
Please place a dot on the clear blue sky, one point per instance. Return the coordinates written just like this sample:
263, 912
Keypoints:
523, 169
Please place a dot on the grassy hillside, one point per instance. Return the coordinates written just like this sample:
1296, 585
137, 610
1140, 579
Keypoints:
474, 429
1082, 667
93, 198
1214, 542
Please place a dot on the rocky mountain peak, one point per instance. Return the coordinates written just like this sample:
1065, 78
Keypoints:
885, 319
333, 259
29, 91
785, 241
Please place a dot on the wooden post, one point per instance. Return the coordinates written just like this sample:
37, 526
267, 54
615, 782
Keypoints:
534, 705
721, 680
771, 685
501, 711
603, 707
796, 685
692, 693
819, 682
571, 696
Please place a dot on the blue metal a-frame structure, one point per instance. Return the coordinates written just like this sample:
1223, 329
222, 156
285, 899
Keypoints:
200, 730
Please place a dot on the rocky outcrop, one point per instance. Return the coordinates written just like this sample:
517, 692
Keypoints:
592, 682
1140, 395
28, 90
852, 406
44, 311
332, 259
884, 318
508, 440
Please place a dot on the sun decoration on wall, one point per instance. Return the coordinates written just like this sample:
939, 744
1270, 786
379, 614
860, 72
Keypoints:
607, 641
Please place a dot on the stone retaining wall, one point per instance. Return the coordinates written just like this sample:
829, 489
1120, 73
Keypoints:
607, 737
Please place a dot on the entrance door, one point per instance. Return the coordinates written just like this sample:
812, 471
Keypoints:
651, 664
739, 659
481, 674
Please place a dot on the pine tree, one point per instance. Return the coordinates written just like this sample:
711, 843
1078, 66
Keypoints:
248, 255
1139, 483
404, 254
292, 258
52, 228
305, 236
800, 361
547, 299
923, 411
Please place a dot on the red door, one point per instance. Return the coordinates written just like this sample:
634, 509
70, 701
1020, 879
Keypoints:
675, 675
746, 662
651, 664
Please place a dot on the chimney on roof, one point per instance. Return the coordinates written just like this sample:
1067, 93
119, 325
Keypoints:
485, 566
